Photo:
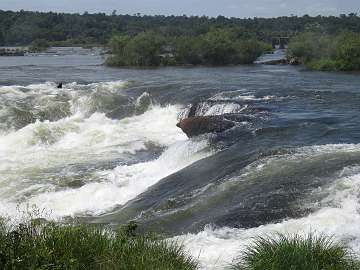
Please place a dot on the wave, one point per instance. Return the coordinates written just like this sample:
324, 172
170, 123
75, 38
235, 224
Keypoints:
37, 158
337, 214
23, 105
120, 185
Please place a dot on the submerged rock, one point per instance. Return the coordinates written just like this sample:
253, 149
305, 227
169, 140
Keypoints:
197, 125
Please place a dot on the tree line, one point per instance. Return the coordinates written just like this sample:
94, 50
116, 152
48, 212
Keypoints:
23, 27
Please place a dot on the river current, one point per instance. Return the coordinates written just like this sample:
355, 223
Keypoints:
106, 149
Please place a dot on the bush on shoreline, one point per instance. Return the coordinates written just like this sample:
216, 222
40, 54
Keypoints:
296, 253
39, 45
37, 245
318, 51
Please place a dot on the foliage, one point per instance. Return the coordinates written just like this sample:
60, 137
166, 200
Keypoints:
23, 27
181, 40
37, 245
142, 50
327, 52
348, 51
216, 47
296, 253
39, 45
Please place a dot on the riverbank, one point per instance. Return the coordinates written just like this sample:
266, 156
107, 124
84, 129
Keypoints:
38, 244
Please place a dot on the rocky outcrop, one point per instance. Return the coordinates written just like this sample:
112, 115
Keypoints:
197, 125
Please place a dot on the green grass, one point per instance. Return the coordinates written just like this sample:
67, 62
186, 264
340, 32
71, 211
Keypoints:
296, 253
40, 246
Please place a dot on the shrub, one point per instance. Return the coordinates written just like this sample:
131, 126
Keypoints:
324, 64
217, 47
296, 253
327, 53
39, 45
37, 245
348, 51
142, 50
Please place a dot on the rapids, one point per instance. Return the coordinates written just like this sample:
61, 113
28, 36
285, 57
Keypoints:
105, 149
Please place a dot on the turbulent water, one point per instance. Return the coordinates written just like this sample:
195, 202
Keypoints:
105, 148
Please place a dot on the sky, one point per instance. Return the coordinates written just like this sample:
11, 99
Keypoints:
213, 8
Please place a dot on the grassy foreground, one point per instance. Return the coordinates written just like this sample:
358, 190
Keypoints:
296, 253
41, 246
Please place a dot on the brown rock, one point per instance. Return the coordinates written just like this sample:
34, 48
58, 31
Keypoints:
194, 126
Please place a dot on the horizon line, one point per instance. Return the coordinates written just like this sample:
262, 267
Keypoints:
179, 15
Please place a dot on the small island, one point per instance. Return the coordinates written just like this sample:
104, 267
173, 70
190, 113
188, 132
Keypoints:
326, 43
218, 47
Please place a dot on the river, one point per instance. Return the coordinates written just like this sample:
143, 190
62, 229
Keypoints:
105, 149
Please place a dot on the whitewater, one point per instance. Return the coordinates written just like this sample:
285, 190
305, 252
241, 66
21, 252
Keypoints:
106, 149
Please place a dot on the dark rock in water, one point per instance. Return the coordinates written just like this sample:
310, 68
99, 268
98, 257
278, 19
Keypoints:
194, 126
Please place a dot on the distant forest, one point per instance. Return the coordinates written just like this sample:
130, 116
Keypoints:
23, 27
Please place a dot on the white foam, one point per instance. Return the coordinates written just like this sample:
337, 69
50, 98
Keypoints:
71, 136
338, 216
224, 108
26, 153
241, 95
77, 139
123, 183
35, 100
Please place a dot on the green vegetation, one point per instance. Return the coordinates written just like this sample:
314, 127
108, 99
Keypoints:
297, 253
39, 45
142, 50
216, 47
140, 40
41, 246
319, 51
23, 27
